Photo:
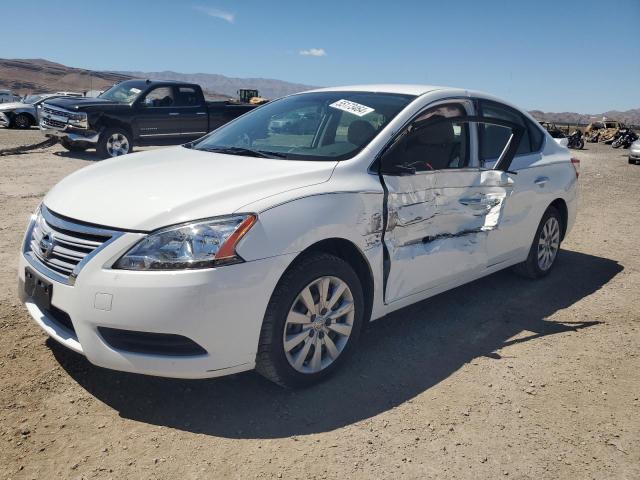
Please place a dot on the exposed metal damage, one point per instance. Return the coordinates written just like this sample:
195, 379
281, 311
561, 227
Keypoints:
439, 228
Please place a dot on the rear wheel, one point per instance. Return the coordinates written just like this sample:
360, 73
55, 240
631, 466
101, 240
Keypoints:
22, 121
544, 249
312, 322
114, 142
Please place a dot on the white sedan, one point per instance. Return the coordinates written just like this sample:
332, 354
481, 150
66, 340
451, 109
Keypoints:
254, 248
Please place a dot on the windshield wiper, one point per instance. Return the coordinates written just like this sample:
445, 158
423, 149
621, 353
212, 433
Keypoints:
244, 151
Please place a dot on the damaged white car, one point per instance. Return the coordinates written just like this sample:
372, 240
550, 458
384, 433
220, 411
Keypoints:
270, 248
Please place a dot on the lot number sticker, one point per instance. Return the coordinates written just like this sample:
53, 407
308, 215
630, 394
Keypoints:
352, 107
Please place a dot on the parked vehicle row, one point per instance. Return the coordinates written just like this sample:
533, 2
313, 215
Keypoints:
556, 133
257, 248
575, 140
25, 112
602, 131
136, 112
624, 138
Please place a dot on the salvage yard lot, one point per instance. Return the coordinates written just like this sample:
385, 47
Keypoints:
504, 377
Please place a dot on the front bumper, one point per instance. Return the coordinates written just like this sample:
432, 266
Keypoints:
75, 136
221, 309
634, 155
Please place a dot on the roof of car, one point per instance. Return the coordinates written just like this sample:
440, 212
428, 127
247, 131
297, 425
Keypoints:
384, 88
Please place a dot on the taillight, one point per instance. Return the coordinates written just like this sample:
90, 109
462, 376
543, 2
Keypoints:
576, 165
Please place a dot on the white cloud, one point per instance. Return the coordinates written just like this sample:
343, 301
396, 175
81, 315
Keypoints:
216, 13
314, 52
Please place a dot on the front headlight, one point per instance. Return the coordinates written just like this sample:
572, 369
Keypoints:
78, 119
201, 244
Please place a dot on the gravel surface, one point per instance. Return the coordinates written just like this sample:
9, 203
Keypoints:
502, 378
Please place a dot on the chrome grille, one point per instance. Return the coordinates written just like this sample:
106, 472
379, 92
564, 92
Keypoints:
50, 122
54, 111
52, 117
61, 246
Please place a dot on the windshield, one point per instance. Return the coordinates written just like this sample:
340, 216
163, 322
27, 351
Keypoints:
32, 99
309, 126
122, 93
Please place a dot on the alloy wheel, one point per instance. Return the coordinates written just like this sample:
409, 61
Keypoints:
22, 121
318, 325
117, 145
548, 243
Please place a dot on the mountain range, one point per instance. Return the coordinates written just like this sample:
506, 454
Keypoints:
630, 117
228, 86
24, 76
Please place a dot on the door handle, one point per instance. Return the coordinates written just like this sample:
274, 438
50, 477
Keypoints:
471, 201
541, 181
174, 113
201, 113
479, 203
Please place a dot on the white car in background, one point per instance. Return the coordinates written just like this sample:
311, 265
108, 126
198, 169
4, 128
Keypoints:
26, 112
251, 248
634, 152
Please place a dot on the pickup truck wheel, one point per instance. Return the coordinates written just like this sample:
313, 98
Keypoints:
72, 147
22, 121
114, 142
545, 247
312, 323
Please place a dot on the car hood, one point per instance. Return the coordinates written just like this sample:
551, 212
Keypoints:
76, 103
635, 147
148, 190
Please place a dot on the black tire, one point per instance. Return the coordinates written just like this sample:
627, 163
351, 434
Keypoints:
72, 147
271, 361
580, 144
632, 161
530, 268
102, 146
22, 121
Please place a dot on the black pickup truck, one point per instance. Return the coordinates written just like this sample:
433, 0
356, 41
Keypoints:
136, 112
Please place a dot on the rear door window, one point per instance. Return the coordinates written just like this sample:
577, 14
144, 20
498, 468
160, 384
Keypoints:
493, 138
187, 97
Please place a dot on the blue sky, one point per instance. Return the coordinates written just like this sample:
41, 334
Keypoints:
553, 55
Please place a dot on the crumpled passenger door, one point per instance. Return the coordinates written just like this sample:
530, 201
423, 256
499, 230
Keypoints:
438, 220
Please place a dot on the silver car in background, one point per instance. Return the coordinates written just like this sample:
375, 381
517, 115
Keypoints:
25, 113
634, 152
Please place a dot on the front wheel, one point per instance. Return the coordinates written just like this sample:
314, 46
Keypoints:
312, 322
114, 142
544, 249
22, 121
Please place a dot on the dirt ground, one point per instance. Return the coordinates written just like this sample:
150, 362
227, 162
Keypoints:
502, 378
